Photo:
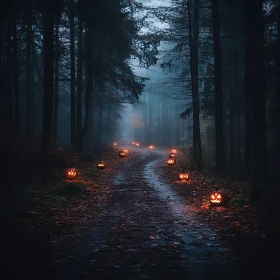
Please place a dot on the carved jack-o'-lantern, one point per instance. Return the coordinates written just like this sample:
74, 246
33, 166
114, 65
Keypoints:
171, 155
183, 176
125, 150
71, 173
122, 154
171, 162
101, 164
217, 198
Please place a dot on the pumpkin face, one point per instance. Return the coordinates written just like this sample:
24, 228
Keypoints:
122, 154
71, 173
171, 162
101, 165
216, 198
183, 177
171, 155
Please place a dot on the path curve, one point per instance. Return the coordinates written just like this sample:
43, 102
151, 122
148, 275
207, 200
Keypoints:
148, 232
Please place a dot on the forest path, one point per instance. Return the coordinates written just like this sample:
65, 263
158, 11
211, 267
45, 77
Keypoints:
147, 232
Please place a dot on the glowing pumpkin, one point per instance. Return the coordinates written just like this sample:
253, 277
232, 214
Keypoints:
174, 151
122, 154
71, 173
125, 150
217, 198
171, 162
151, 147
171, 155
137, 144
101, 164
183, 176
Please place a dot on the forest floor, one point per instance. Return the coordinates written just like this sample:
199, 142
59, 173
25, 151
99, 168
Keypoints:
134, 220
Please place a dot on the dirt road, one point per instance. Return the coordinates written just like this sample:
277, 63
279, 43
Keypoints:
148, 232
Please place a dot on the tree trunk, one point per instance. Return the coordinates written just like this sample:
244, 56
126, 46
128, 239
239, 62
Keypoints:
1, 83
79, 87
256, 86
163, 130
109, 123
89, 86
158, 124
28, 74
48, 58
219, 126
168, 132
32, 93
150, 120
56, 78
9, 110
231, 121
248, 88
177, 128
100, 125
15, 73
145, 120
197, 149
238, 135
72, 71
277, 148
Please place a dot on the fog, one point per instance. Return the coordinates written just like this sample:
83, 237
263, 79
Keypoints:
155, 119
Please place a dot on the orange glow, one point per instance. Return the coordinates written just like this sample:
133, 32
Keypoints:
132, 143
151, 146
101, 165
115, 144
71, 173
137, 144
171, 161
122, 154
125, 150
172, 155
216, 198
183, 176
174, 151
